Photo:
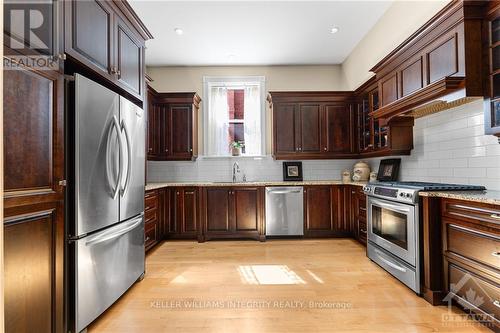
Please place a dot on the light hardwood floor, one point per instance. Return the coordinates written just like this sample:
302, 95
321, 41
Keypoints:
191, 287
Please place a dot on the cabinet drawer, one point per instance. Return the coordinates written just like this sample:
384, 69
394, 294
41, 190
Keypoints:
151, 216
472, 212
362, 202
474, 292
474, 245
150, 202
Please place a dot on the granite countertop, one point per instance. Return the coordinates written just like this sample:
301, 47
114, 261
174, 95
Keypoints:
489, 197
154, 186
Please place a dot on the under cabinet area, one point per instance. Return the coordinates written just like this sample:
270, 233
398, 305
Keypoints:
172, 126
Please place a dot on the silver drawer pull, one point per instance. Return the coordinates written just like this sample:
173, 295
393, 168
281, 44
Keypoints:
495, 216
496, 254
496, 303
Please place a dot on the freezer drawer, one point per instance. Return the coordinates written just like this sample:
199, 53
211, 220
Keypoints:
284, 211
107, 264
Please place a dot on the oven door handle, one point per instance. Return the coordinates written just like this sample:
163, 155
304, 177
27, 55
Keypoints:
397, 208
389, 263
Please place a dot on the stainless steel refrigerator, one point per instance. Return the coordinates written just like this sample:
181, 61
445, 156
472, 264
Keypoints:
106, 149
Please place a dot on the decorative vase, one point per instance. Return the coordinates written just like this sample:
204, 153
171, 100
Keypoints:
361, 172
235, 151
346, 176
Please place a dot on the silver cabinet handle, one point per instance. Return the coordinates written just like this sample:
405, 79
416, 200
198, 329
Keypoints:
113, 234
129, 158
495, 216
496, 254
146, 240
496, 303
325, 148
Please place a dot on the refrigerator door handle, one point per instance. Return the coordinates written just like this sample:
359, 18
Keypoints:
116, 125
129, 158
114, 234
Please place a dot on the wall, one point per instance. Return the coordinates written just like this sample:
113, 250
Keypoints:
449, 147
278, 78
401, 20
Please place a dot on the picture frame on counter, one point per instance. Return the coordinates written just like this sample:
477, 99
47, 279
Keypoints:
388, 170
292, 171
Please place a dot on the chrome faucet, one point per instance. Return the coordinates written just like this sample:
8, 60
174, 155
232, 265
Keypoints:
236, 169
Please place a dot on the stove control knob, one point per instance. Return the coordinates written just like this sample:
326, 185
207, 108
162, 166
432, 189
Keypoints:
408, 195
401, 194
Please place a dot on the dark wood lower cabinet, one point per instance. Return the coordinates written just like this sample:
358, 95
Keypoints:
185, 215
327, 211
152, 219
233, 212
358, 214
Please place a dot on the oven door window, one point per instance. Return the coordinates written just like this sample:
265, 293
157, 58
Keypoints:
390, 225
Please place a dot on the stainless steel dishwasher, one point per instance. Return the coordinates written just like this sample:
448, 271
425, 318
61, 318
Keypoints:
285, 211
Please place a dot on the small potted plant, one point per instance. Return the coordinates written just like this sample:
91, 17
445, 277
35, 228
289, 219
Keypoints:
236, 147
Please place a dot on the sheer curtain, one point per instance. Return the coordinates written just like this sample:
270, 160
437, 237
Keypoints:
252, 120
218, 122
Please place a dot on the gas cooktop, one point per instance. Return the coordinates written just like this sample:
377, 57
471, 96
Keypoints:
423, 186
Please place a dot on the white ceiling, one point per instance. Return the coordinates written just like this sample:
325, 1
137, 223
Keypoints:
255, 33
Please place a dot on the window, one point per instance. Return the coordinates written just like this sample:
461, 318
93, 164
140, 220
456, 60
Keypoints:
234, 112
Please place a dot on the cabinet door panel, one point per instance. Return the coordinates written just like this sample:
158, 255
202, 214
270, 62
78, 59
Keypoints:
412, 78
217, 210
337, 137
190, 221
389, 89
181, 131
129, 59
310, 129
443, 60
318, 202
154, 120
89, 35
33, 246
246, 209
284, 128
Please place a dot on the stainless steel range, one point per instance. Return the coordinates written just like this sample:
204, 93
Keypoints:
394, 226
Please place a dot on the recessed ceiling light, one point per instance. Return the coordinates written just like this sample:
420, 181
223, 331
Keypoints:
179, 31
334, 30
231, 57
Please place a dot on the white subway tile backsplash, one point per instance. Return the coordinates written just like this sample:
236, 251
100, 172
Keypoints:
449, 147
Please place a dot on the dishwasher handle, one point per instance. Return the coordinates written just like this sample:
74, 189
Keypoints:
274, 190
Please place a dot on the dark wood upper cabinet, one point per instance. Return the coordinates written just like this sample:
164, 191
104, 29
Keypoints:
129, 58
312, 125
233, 212
337, 138
443, 60
181, 120
108, 38
89, 36
284, 133
309, 129
173, 126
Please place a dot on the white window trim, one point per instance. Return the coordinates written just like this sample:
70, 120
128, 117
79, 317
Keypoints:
209, 81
